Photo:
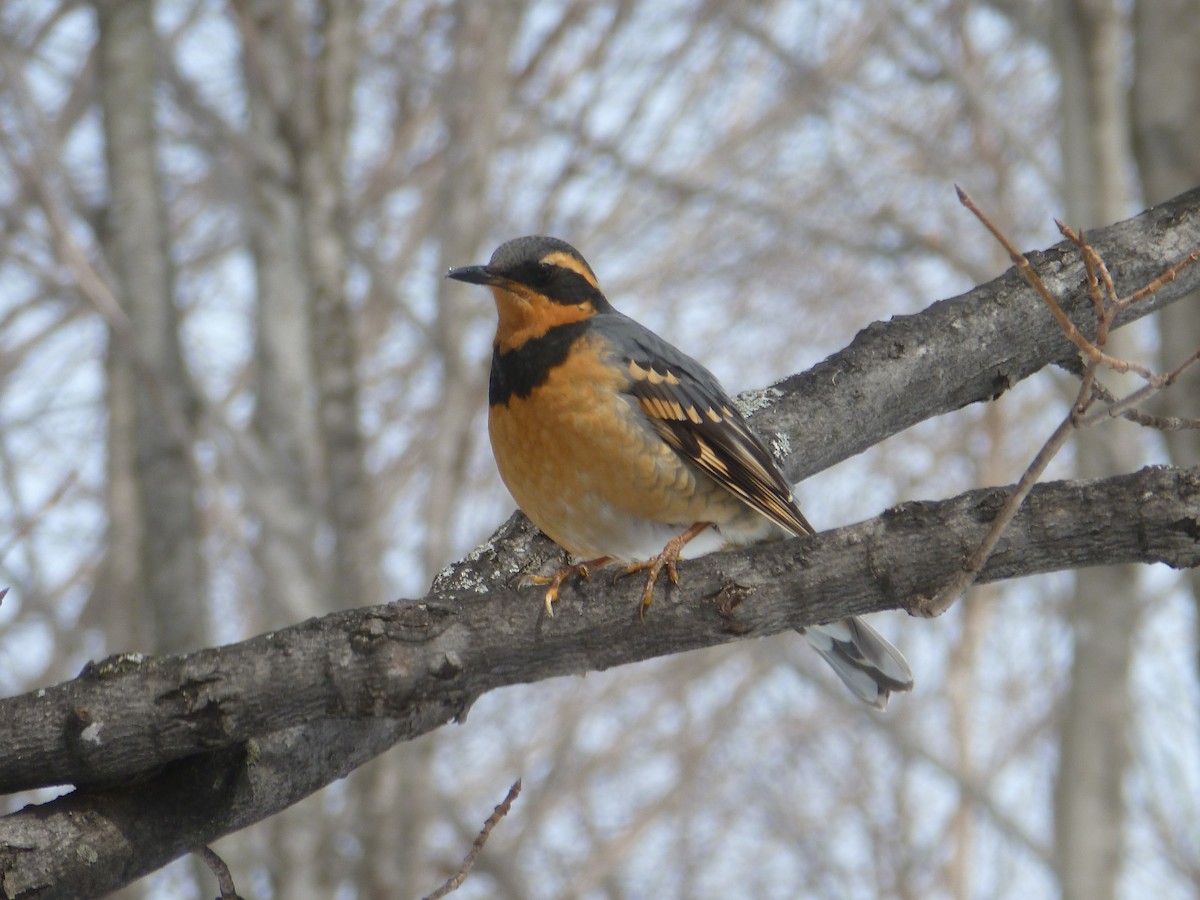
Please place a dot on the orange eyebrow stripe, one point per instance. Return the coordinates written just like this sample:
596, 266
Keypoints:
567, 261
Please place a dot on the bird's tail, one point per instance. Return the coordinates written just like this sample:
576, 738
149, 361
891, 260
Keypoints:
870, 666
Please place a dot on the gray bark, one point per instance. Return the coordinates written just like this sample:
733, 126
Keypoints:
318, 698
1166, 126
284, 490
172, 568
1094, 753
319, 130
479, 79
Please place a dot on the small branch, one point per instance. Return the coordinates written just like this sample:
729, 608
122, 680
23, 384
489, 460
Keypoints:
1097, 273
221, 871
1161, 423
28, 522
1162, 280
944, 598
1076, 420
456, 880
1157, 383
1073, 334
1091, 264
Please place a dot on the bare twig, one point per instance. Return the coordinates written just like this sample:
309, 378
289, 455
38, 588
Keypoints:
1165, 278
456, 880
1161, 423
1073, 334
1092, 263
1157, 383
30, 521
1089, 391
219, 869
944, 598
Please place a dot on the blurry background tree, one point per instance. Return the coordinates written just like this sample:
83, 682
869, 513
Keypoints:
236, 393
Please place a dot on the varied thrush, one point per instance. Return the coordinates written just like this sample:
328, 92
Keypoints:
622, 448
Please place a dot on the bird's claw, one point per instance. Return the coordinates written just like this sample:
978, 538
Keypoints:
665, 560
555, 581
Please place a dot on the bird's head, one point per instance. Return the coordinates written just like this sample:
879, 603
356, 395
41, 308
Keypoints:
539, 283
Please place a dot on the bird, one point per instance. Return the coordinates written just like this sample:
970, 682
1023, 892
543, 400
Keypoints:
625, 450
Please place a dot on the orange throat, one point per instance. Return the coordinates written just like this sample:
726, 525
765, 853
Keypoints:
525, 315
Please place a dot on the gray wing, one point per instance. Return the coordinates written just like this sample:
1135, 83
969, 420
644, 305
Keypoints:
691, 411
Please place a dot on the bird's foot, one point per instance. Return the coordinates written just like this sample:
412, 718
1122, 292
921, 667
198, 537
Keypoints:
654, 566
555, 580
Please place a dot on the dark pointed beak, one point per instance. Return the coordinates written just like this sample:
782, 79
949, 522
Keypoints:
473, 275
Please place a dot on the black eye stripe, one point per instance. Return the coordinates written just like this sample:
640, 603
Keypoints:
559, 284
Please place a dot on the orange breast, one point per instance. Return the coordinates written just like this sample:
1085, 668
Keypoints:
582, 462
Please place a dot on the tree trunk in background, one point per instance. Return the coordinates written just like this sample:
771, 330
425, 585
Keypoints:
963, 672
320, 125
172, 569
401, 799
1094, 752
321, 131
1095, 117
479, 80
288, 488
1166, 122
118, 603
285, 489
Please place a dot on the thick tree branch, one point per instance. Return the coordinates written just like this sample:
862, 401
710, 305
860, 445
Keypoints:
89, 843
424, 663
973, 347
198, 746
419, 665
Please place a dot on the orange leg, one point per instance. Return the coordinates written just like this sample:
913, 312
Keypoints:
665, 560
555, 581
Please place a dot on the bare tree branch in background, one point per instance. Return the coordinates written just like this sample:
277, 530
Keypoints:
468, 863
284, 474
